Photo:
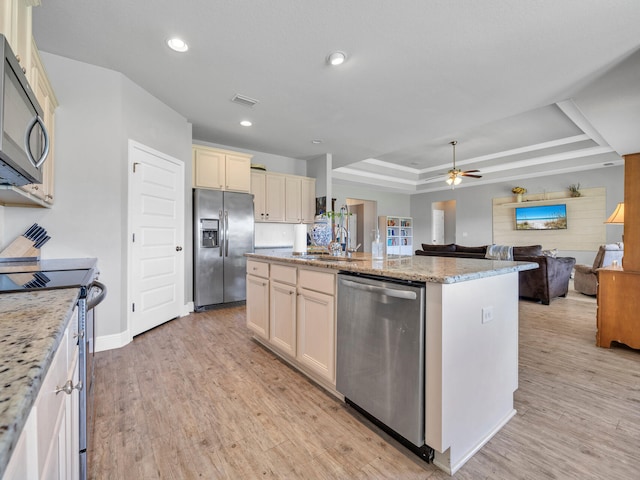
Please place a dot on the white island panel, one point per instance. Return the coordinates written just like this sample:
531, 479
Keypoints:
471, 364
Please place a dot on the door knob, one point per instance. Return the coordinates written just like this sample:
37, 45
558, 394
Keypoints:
178, 248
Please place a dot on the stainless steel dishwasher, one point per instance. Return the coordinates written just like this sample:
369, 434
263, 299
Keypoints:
380, 353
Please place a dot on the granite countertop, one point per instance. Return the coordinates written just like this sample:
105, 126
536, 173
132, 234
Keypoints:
416, 268
32, 325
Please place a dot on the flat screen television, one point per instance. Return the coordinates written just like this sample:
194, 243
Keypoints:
541, 217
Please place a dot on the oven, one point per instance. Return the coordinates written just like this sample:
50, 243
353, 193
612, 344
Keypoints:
83, 274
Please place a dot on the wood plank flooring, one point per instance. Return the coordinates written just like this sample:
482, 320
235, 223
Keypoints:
197, 398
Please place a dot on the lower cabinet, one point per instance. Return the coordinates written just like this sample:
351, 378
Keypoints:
298, 316
48, 447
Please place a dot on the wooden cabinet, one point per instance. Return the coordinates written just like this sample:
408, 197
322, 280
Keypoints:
268, 196
221, 169
47, 100
317, 322
283, 198
48, 446
396, 233
617, 318
282, 315
258, 298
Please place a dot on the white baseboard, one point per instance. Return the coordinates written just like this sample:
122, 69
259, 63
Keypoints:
110, 342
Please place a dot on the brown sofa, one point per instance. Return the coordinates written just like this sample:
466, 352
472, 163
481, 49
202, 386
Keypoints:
549, 280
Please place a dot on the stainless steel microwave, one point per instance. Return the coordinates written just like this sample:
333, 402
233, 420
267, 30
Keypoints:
24, 144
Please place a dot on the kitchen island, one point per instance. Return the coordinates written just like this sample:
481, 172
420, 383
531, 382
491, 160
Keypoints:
471, 334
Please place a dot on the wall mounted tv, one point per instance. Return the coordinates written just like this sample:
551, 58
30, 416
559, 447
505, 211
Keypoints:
541, 217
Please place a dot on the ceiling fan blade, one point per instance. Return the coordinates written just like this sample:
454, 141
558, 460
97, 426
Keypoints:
471, 171
464, 174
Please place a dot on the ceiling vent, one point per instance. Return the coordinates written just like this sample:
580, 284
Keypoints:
242, 100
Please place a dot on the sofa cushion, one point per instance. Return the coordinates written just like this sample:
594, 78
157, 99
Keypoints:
462, 248
439, 248
527, 251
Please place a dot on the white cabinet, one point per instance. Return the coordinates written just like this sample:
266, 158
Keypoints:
308, 200
268, 196
299, 315
293, 199
396, 233
282, 315
283, 198
258, 298
317, 322
221, 169
48, 446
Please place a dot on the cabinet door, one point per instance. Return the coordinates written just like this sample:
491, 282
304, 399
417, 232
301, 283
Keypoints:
208, 169
237, 173
258, 189
316, 332
308, 200
274, 198
258, 305
293, 200
282, 317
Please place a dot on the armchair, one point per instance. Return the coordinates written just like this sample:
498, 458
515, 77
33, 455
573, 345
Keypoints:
585, 280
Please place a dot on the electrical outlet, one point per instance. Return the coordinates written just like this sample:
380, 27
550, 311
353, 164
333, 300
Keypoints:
487, 314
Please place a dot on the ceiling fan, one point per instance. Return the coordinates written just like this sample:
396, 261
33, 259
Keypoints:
455, 174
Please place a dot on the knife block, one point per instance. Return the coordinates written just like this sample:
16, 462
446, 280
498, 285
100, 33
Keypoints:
21, 249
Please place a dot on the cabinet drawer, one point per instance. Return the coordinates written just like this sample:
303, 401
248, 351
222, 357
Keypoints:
259, 269
284, 274
318, 281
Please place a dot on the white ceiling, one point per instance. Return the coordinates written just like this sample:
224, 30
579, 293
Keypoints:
525, 87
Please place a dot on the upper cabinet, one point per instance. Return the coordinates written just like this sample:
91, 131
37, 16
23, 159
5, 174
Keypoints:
282, 198
221, 169
15, 22
15, 25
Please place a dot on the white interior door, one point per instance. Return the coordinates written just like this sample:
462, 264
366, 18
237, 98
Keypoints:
437, 226
156, 236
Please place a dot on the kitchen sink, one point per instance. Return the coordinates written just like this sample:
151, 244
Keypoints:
329, 258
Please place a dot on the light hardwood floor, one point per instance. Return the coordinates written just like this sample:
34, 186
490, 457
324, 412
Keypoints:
197, 398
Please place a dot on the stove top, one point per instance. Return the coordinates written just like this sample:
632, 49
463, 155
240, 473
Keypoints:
47, 274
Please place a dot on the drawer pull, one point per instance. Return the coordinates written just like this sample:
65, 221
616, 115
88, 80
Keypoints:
69, 387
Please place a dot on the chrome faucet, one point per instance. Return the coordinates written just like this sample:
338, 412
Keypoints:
344, 228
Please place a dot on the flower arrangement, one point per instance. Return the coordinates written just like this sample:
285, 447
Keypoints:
574, 190
519, 190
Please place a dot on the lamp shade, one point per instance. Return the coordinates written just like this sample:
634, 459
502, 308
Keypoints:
618, 215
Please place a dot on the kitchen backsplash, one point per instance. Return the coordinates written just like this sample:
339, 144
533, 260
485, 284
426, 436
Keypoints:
274, 235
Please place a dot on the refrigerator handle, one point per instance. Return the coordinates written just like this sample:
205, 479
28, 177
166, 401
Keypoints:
226, 233
222, 232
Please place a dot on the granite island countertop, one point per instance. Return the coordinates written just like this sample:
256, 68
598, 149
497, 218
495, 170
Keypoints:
32, 325
416, 268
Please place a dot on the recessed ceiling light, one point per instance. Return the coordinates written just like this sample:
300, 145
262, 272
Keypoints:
246, 123
316, 142
336, 58
178, 45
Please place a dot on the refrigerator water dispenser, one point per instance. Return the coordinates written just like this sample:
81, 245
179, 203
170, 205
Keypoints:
208, 233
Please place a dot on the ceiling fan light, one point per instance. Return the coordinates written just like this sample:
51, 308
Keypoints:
457, 180
449, 180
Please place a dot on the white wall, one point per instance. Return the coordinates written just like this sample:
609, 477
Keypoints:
99, 111
474, 215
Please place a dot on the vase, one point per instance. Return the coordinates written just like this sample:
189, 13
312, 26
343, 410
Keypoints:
519, 198
321, 232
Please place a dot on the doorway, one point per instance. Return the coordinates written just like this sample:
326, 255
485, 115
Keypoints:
363, 222
443, 222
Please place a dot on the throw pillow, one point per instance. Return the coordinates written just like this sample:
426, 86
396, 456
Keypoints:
553, 253
499, 252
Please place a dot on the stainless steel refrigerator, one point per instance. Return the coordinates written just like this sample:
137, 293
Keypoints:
223, 232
